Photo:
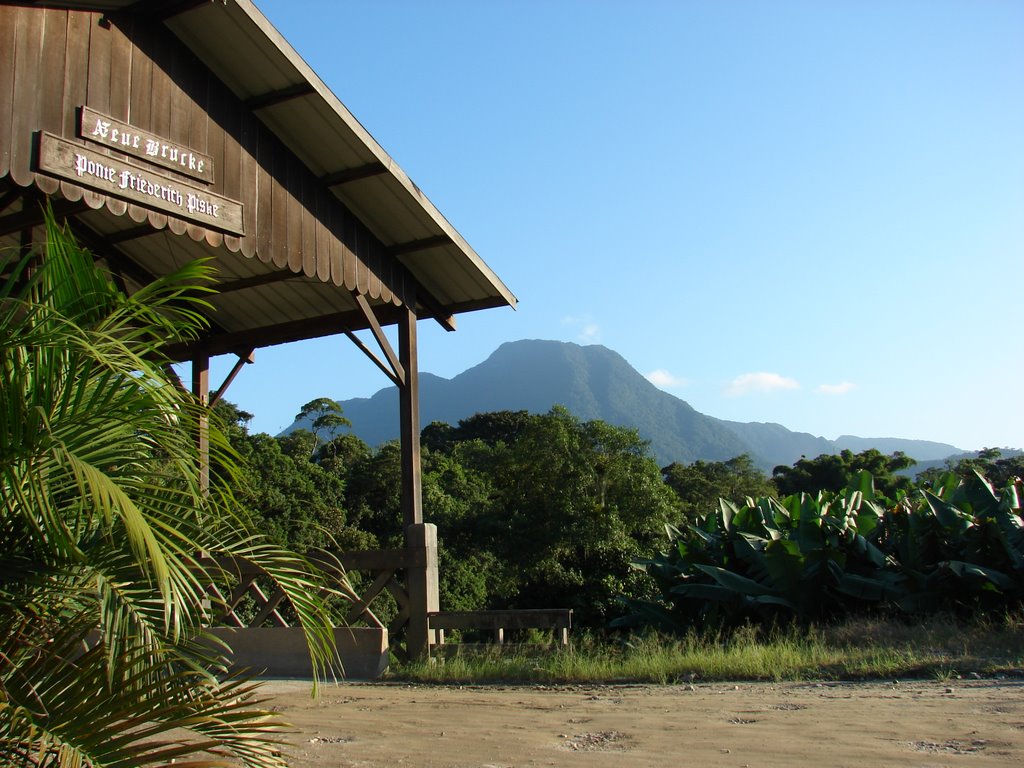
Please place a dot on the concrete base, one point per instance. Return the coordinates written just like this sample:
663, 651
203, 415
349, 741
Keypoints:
282, 652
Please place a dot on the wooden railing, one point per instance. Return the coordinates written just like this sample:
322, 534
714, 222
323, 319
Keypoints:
408, 575
385, 567
558, 620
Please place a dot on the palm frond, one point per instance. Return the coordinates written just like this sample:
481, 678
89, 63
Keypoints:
102, 594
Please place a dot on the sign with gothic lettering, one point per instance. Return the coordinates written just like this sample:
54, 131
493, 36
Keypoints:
83, 166
102, 129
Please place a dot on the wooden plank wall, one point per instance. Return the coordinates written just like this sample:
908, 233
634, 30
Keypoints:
53, 61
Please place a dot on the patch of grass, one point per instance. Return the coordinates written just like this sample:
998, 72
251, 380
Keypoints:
938, 648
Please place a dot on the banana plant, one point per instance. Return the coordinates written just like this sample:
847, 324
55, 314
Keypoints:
955, 546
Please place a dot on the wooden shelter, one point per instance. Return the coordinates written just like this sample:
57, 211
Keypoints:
167, 130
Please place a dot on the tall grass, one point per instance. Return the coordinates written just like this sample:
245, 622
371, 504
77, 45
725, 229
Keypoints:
861, 649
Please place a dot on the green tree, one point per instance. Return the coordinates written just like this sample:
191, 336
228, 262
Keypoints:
294, 501
299, 504
990, 462
532, 510
342, 453
833, 472
572, 504
495, 427
325, 420
374, 494
458, 498
701, 484
103, 510
299, 444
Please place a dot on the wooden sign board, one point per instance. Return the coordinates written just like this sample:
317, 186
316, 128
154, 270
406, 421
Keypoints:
83, 166
102, 129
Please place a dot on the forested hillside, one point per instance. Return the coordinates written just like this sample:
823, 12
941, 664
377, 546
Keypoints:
533, 510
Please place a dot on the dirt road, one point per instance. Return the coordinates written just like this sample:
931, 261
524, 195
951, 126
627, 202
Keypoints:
977, 723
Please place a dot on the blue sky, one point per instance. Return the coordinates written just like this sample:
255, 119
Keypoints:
802, 212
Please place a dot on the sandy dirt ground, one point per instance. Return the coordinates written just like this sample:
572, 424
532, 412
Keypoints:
976, 723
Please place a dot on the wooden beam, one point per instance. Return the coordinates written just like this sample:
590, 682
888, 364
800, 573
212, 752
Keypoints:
384, 367
118, 259
439, 313
382, 340
32, 215
477, 304
165, 9
255, 281
367, 171
282, 333
423, 244
280, 96
372, 559
132, 233
429, 302
247, 358
9, 197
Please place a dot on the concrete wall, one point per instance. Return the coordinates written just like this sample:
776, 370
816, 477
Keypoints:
282, 652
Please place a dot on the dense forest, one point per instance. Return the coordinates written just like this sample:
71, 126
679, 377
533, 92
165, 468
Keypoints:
548, 510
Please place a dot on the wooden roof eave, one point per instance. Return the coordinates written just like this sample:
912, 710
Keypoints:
222, 343
213, 344
239, 34
412, 210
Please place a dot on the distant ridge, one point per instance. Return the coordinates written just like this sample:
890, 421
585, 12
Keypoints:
775, 444
922, 450
594, 382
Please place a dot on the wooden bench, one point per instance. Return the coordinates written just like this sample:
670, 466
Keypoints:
559, 620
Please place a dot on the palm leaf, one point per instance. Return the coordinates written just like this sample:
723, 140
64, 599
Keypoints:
101, 498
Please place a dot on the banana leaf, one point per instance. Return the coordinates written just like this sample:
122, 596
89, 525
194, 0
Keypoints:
863, 548
726, 512
947, 514
870, 589
735, 582
785, 563
979, 573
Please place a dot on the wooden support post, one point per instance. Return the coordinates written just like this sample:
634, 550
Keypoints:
201, 390
421, 584
420, 538
27, 242
409, 419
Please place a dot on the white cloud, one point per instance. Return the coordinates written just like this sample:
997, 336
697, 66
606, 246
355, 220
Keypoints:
836, 389
665, 380
589, 332
759, 382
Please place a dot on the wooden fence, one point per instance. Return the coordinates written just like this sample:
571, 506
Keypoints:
409, 575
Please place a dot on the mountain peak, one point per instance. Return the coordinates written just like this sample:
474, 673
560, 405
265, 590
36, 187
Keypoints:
593, 382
